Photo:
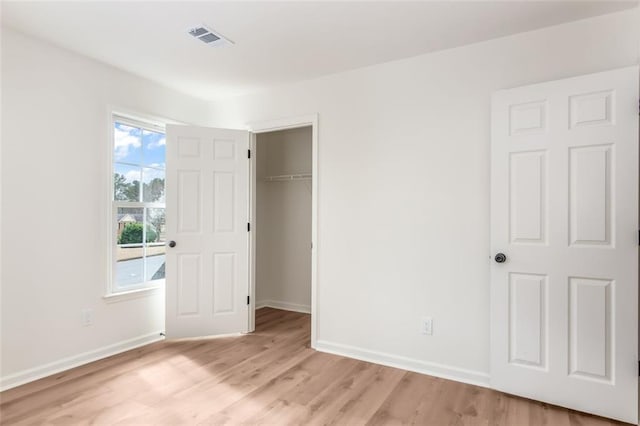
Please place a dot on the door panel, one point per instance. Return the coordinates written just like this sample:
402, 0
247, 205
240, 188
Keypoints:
207, 211
527, 197
590, 330
527, 319
590, 195
564, 210
189, 201
188, 284
223, 205
225, 280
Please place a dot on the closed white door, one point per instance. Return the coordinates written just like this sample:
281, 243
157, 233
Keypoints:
564, 212
207, 282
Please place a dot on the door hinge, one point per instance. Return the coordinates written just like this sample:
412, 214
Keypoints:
248, 227
248, 153
248, 299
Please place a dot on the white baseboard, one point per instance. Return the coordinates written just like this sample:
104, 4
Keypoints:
262, 304
472, 377
26, 376
276, 304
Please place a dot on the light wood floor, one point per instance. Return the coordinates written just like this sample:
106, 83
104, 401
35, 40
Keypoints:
268, 377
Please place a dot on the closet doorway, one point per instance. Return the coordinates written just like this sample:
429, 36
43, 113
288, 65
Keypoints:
283, 205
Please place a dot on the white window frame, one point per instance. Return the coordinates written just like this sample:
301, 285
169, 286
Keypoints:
113, 293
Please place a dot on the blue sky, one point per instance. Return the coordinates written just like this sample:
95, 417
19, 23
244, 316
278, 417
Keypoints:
142, 150
136, 146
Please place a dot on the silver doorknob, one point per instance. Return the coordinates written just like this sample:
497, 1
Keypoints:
500, 258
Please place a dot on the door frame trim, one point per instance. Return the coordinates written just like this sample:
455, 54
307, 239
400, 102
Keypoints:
273, 126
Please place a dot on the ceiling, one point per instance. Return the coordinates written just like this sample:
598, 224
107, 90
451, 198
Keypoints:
276, 42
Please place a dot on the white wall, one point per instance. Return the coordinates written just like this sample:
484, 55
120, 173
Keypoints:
55, 210
283, 219
404, 187
403, 193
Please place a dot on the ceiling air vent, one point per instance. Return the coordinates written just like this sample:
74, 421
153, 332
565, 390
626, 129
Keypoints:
208, 36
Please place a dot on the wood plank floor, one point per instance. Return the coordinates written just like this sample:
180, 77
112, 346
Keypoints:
268, 377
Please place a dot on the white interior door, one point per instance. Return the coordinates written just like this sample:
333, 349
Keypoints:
564, 201
207, 280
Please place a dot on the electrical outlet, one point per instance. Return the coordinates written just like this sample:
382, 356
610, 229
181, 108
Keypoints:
427, 326
87, 317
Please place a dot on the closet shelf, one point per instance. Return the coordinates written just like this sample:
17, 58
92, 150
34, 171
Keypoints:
284, 178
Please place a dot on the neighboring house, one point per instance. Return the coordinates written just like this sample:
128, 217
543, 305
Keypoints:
124, 219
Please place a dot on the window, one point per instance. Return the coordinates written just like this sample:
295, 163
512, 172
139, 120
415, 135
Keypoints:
138, 205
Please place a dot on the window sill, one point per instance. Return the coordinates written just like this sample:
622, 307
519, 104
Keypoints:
133, 294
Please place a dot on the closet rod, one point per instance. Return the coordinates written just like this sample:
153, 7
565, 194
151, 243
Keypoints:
281, 178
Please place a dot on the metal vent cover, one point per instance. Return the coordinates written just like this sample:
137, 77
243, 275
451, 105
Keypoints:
198, 31
208, 36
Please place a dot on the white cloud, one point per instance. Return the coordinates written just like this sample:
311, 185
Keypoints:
150, 174
158, 143
123, 142
132, 175
147, 173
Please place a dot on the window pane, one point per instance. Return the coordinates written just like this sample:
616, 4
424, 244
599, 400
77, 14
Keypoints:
126, 183
153, 185
129, 250
155, 246
155, 264
139, 177
153, 145
127, 144
156, 222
